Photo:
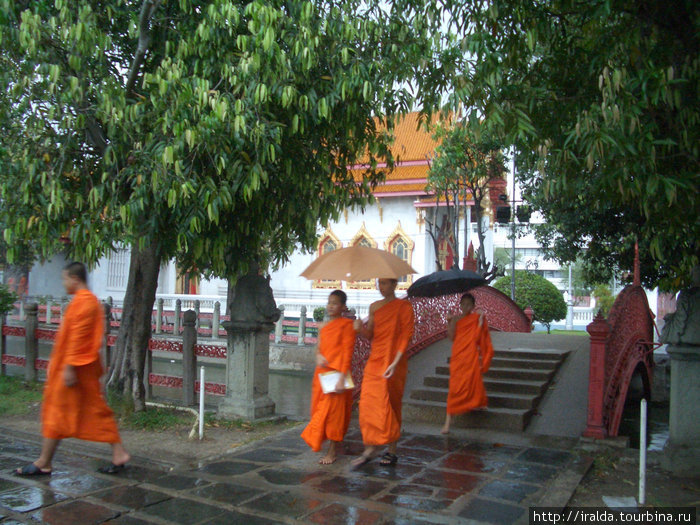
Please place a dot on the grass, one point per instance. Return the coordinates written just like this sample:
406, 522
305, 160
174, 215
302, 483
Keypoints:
157, 419
18, 397
570, 332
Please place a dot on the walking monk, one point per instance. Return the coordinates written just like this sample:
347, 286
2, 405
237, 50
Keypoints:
390, 328
330, 413
471, 356
73, 405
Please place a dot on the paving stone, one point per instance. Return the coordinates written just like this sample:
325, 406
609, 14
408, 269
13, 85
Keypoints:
529, 473
418, 456
286, 476
78, 484
178, 482
454, 481
74, 512
396, 472
358, 487
131, 496
492, 512
12, 522
20, 448
268, 455
226, 493
284, 504
9, 463
471, 462
137, 473
231, 517
7, 484
228, 468
127, 519
413, 490
433, 443
492, 450
289, 441
337, 514
547, 456
509, 491
414, 503
25, 499
184, 511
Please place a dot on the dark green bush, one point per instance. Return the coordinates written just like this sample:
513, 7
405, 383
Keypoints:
603, 299
536, 292
319, 313
7, 299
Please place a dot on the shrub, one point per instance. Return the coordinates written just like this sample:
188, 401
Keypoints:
7, 300
603, 299
536, 292
319, 313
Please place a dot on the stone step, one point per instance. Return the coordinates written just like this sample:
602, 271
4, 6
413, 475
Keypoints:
496, 399
506, 419
524, 353
529, 364
519, 373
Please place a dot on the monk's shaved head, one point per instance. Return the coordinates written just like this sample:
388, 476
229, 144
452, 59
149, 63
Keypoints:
77, 270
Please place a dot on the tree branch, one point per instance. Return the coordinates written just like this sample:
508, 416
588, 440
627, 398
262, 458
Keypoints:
147, 10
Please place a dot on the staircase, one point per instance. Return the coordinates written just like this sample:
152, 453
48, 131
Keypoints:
515, 383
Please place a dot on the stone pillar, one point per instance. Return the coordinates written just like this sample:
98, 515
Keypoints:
197, 311
176, 321
189, 359
279, 326
49, 302
3, 342
247, 370
529, 313
302, 326
30, 342
108, 327
159, 316
681, 333
215, 320
599, 330
569, 314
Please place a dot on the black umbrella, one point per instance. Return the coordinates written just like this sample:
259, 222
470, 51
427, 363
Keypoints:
445, 282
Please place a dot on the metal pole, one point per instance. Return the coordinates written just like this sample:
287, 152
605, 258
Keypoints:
512, 232
570, 306
643, 453
201, 402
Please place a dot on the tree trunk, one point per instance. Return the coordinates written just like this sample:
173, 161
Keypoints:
129, 358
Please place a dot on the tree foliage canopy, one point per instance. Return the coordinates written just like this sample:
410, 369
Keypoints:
600, 100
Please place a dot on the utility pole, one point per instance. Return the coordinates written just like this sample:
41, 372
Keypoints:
512, 233
570, 306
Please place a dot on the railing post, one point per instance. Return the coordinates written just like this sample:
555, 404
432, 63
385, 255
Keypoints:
49, 302
599, 330
148, 372
530, 314
159, 315
30, 342
176, 322
279, 326
197, 309
108, 327
3, 342
64, 305
189, 359
21, 310
302, 325
215, 320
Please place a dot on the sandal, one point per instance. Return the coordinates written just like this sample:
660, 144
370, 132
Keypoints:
112, 468
31, 470
388, 459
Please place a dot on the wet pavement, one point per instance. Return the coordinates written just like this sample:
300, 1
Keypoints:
455, 479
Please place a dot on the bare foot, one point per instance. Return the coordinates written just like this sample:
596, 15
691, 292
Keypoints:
119, 455
327, 459
445, 429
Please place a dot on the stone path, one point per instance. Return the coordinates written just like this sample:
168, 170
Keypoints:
278, 480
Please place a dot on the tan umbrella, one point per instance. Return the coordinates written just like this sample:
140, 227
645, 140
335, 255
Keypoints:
357, 263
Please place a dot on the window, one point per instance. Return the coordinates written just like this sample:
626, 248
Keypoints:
402, 246
118, 269
327, 243
363, 238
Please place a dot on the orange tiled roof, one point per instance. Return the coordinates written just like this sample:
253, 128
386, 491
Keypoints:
401, 173
408, 188
412, 142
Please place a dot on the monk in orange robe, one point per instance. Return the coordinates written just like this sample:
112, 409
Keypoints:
73, 404
390, 327
330, 412
471, 356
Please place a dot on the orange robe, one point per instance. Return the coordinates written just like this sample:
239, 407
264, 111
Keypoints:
471, 357
79, 411
380, 399
330, 413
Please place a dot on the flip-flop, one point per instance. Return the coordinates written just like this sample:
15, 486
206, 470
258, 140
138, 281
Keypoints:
112, 468
357, 464
388, 459
31, 470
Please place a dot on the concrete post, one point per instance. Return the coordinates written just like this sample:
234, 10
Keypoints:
159, 316
3, 342
189, 359
21, 311
108, 328
599, 330
302, 326
279, 326
197, 311
49, 302
30, 342
569, 315
530, 314
176, 322
216, 320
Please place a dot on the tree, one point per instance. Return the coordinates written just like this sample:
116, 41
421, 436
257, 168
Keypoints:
192, 129
604, 299
600, 101
467, 161
536, 292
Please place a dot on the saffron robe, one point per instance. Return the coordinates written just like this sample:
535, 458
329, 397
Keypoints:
471, 357
330, 413
380, 399
79, 411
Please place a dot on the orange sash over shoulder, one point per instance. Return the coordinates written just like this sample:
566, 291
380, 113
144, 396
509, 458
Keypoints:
330, 413
380, 399
471, 357
79, 411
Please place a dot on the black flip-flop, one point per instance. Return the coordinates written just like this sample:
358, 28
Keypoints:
31, 470
112, 468
388, 459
